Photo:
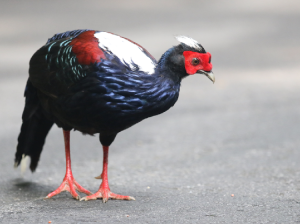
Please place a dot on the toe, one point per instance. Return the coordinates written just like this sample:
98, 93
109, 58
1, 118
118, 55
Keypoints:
105, 195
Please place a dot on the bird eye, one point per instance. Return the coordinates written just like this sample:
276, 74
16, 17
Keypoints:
195, 61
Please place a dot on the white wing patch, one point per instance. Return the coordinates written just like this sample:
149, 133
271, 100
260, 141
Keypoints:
126, 51
189, 41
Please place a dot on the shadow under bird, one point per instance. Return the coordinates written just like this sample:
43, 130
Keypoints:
99, 82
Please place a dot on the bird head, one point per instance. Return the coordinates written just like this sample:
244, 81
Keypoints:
188, 58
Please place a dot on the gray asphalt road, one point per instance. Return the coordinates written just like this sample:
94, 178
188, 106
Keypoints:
226, 153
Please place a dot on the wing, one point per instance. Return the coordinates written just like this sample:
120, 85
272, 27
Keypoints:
64, 60
69, 57
58, 36
91, 80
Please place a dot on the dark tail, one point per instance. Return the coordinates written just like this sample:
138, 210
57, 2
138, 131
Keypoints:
34, 129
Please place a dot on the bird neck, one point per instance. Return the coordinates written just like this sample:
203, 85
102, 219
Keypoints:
171, 65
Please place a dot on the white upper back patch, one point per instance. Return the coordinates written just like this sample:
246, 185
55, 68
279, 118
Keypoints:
126, 51
189, 41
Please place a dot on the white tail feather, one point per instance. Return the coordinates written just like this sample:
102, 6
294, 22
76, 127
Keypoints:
24, 163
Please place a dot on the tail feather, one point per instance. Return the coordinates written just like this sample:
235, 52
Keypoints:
34, 129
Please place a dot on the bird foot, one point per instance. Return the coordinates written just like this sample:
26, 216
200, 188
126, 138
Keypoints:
105, 194
71, 185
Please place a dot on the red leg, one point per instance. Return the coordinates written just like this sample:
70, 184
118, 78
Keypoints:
69, 183
104, 191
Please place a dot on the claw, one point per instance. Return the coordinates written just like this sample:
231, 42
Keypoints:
131, 198
99, 177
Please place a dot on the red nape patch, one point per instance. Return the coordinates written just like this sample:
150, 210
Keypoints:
204, 62
85, 47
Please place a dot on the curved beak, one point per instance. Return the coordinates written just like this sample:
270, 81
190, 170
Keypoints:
209, 75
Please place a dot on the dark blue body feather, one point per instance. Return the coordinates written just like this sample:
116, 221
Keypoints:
104, 97
73, 33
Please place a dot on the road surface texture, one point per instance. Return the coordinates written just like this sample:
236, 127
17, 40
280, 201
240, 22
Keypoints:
226, 153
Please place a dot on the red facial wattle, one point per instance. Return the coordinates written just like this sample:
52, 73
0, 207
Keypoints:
204, 62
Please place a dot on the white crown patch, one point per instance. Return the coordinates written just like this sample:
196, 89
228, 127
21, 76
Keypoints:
189, 42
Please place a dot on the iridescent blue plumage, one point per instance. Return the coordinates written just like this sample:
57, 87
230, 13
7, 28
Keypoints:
99, 82
105, 96
112, 98
59, 36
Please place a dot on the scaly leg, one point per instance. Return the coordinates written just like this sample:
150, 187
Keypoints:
104, 191
69, 183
